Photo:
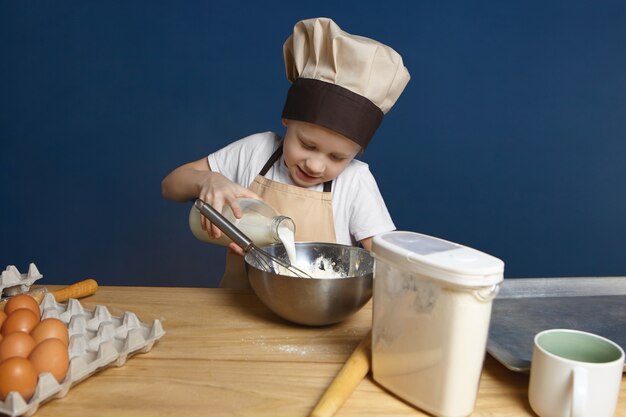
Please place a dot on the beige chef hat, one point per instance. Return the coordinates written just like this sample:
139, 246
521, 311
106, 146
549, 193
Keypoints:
340, 81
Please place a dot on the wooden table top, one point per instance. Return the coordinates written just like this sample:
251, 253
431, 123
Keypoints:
225, 354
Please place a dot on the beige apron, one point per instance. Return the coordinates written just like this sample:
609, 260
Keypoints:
311, 211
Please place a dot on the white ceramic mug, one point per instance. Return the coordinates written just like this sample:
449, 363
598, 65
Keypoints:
574, 374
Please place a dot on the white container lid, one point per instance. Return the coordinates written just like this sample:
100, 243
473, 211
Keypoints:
438, 258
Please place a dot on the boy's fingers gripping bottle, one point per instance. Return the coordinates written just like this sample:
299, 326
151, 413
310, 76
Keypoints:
259, 222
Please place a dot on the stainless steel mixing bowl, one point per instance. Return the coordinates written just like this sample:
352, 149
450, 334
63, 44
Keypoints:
315, 301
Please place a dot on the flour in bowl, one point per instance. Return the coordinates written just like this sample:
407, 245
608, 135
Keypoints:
321, 268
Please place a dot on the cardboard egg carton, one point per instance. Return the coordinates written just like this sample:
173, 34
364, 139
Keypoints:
12, 282
97, 340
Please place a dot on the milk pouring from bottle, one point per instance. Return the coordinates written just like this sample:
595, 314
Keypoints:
260, 222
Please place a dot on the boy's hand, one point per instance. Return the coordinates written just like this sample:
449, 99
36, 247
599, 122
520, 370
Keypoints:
218, 191
234, 248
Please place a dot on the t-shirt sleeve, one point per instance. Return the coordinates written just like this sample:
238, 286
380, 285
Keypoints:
368, 213
241, 161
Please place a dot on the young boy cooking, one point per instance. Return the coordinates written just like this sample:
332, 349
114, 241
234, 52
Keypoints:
342, 85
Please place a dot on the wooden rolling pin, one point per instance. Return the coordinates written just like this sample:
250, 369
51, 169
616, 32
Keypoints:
77, 290
350, 375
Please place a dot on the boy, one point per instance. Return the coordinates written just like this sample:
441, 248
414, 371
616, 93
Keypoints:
342, 86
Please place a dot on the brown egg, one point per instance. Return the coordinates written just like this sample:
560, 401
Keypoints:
52, 356
3, 317
51, 328
17, 374
18, 344
20, 320
22, 301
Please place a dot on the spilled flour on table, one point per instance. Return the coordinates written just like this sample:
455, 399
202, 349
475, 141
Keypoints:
274, 346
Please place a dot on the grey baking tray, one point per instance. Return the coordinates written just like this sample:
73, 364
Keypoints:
524, 307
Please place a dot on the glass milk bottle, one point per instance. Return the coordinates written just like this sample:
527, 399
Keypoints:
259, 222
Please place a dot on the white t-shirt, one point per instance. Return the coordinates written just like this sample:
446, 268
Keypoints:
359, 211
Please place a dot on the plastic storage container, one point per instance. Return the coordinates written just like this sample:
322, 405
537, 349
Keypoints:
432, 306
260, 222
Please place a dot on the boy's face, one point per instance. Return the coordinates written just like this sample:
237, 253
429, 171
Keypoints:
314, 154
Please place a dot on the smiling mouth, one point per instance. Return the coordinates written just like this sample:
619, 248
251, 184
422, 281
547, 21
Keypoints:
306, 176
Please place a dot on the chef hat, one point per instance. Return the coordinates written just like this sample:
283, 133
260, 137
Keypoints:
343, 82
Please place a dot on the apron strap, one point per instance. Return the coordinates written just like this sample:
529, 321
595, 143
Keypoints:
328, 185
277, 153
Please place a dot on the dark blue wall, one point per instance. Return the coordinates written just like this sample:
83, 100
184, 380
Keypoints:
509, 138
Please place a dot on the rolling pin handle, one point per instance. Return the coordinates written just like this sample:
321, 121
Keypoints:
350, 375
